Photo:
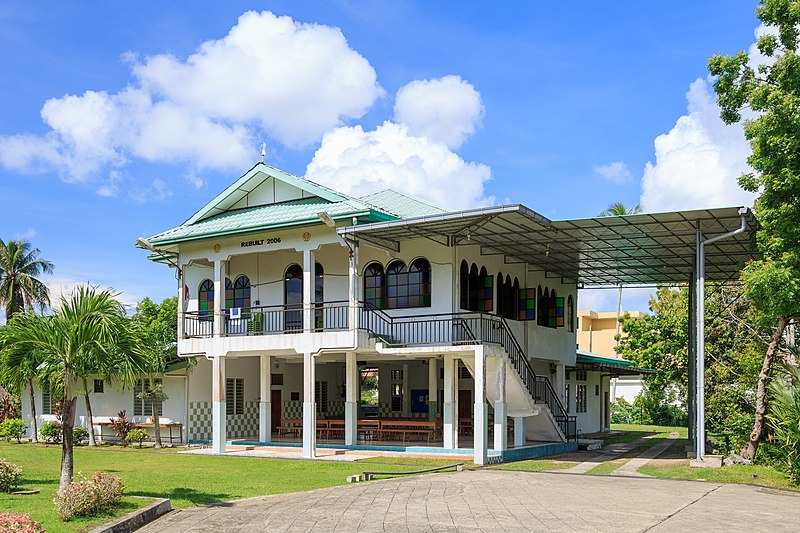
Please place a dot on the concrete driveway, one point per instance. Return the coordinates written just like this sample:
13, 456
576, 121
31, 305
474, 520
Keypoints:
494, 500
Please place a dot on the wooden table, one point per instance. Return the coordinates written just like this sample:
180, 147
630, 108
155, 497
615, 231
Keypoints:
407, 427
293, 426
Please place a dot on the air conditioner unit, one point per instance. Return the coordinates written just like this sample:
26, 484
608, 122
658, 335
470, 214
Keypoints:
235, 313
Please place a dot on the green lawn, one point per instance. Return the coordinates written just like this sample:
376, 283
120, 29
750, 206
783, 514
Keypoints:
754, 474
187, 480
632, 432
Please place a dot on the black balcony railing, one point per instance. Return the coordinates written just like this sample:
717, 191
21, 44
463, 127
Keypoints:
466, 328
267, 320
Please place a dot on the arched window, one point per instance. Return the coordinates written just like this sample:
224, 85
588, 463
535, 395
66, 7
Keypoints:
552, 320
396, 285
319, 296
293, 298
228, 294
485, 291
474, 279
419, 283
514, 306
501, 295
464, 282
375, 285
241, 293
508, 298
541, 305
205, 303
570, 314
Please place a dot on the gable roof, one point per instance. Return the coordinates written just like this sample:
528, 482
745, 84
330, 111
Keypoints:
229, 214
270, 217
252, 179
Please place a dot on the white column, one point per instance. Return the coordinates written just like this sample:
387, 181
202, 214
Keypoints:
561, 380
265, 401
519, 431
354, 292
181, 302
218, 413
500, 410
308, 291
406, 392
433, 389
481, 412
219, 295
352, 392
309, 408
450, 420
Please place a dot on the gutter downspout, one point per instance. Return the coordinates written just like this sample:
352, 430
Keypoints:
700, 436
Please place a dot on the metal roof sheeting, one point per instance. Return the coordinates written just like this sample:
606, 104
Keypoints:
646, 248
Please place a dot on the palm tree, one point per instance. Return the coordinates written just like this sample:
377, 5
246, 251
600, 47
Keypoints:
88, 323
17, 377
20, 287
618, 209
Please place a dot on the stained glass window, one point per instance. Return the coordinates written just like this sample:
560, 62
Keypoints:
555, 311
319, 296
375, 285
474, 289
205, 304
464, 282
397, 285
238, 295
527, 305
419, 283
293, 298
485, 292
570, 314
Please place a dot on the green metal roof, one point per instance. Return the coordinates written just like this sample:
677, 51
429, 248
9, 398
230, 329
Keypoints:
400, 204
612, 365
250, 180
269, 217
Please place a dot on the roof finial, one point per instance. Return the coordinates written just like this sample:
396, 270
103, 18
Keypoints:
263, 151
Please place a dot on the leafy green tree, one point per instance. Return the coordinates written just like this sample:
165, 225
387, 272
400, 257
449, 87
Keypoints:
89, 321
22, 375
20, 268
771, 92
156, 325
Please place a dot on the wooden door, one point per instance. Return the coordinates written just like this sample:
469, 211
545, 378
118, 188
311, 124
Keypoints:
275, 398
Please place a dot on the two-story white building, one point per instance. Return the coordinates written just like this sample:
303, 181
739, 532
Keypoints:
290, 294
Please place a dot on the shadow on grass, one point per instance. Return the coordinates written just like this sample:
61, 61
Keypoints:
183, 493
34, 481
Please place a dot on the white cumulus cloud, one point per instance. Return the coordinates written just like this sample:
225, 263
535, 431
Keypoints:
359, 162
270, 74
615, 172
698, 162
446, 110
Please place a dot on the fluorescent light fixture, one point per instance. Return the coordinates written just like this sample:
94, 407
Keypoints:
141, 242
326, 218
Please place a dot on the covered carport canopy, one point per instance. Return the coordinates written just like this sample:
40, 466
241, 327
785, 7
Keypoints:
641, 249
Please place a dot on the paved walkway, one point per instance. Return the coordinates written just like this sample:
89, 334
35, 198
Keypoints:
496, 500
614, 451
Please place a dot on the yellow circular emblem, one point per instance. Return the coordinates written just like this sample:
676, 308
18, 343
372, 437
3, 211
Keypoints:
306, 236
217, 248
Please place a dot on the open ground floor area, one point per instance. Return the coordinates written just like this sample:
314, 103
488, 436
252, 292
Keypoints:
490, 500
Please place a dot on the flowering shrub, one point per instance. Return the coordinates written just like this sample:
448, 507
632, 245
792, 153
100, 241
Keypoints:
9, 476
19, 523
89, 497
13, 428
137, 435
50, 432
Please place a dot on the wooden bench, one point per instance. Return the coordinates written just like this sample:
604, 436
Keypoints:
293, 426
404, 428
145, 425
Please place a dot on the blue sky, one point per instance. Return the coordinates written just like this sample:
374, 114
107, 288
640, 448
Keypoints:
565, 108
